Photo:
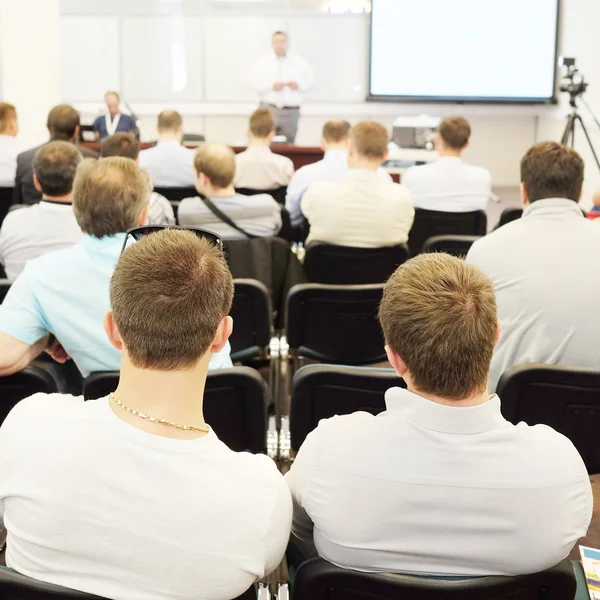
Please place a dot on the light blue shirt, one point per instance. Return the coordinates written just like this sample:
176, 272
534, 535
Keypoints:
333, 167
66, 293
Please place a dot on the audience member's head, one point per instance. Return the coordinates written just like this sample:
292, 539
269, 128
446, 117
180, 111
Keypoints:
113, 101
551, 170
110, 196
368, 146
215, 169
54, 168
597, 198
438, 316
172, 272
452, 136
170, 124
280, 43
336, 135
8, 119
63, 123
122, 143
262, 127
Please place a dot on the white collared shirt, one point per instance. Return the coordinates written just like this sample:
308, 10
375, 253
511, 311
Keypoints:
169, 163
361, 211
333, 167
258, 168
10, 147
270, 69
434, 489
544, 269
449, 185
27, 233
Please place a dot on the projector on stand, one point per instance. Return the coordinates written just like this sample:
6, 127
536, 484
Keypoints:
415, 132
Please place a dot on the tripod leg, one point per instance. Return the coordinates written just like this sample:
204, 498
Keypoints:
588, 140
569, 128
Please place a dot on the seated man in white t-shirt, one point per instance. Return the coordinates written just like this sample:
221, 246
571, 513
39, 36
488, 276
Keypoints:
258, 215
258, 168
29, 232
439, 483
449, 184
133, 495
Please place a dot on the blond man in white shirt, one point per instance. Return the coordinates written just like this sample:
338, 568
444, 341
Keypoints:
257, 167
440, 483
360, 210
449, 184
280, 77
10, 146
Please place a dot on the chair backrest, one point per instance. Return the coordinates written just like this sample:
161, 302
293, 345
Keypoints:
319, 580
278, 193
4, 287
335, 323
565, 398
252, 318
344, 265
31, 380
431, 223
176, 193
457, 245
322, 391
235, 404
508, 215
6, 198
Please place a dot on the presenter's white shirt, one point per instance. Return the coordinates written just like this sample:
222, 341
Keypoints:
361, 211
449, 185
260, 169
95, 504
27, 233
10, 147
169, 164
544, 268
271, 69
433, 489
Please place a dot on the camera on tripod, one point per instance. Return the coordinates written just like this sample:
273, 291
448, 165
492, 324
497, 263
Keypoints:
574, 82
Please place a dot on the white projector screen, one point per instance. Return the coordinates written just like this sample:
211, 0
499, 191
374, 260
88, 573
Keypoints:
463, 50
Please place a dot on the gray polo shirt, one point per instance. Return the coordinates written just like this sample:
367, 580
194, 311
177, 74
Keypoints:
544, 268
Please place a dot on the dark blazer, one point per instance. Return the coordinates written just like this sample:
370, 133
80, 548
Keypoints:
25, 192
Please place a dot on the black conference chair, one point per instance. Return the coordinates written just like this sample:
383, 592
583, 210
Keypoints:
278, 193
565, 398
319, 580
508, 215
431, 223
176, 193
4, 287
235, 404
6, 198
31, 380
344, 265
322, 391
457, 245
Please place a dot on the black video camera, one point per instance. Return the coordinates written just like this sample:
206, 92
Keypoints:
574, 83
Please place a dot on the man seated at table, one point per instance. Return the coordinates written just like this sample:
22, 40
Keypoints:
449, 184
360, 210
113, 120
169, 163
133, 495
439, 483
333, 167
257, 167
10, 145
58, 301
257, 215
49, 225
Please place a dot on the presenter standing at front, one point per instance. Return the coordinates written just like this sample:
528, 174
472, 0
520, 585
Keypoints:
280, 77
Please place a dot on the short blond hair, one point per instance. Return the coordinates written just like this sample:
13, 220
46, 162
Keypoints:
168, 294
217, 162
109, 195
169, 120
262, 123
455, 132
336, 131
370, 139
8, 113
438, 314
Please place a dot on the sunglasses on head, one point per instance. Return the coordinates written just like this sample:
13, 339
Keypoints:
137, 233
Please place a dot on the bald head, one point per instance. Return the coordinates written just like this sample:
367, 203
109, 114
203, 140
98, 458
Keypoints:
170, 123
216, 162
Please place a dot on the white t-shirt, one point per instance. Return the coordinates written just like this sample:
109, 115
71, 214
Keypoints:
10, 147
449, 185
258, 168
95, 504
169, 164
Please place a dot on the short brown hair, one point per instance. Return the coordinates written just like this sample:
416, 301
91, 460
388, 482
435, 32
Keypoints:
438, 314
335, 132
168, 294
122, 143
55, 165
169, 120
370, 139
217, 162
109, 195
455, 132
112, 93
8, 113
551, 170
62, 123
262, 122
